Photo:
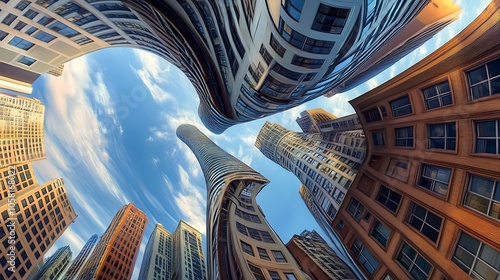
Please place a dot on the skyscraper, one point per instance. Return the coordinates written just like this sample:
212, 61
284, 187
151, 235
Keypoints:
80, 260
189, 260
316, 258
174, 256
426, 202
55, 264
41, 214
310, 119
241, 244
246, 60
115, 253
157, 262
21, 130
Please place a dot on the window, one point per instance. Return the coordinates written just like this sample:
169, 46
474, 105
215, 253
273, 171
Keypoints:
44, 36
26, 60
476, 258
257, 272
274, 275
22, 5
415, 264
398, 169
442, 136
390, 199
278, 256
401, 106
3, 34
45, 20
378, 138
372, 115
277, 47
303, 42
247, 248
263, 254
30, 14
364, 257
63, 29
488, 137
293, 8
356, 209
381, 233
290, 276
483, 195
435, 178
437, 95
425, 221
9, 19
330, 19
21, 43
310, 63
404, 136
485, 80
265, 55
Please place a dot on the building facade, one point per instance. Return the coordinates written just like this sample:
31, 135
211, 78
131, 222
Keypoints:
55, 264
21, 130
246, 60
115, 254
80, 260
158, 255
316, 258
310, 119
41, 213
425, 204
241, 244
189, 260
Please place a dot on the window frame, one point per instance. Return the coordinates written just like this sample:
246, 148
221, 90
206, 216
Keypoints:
357, 210
413, 260
424, 222
432, 190
439, 95
491, 200
487, 79
374, 229
393, 109
445, 137
388, 198
406, 139
496, 138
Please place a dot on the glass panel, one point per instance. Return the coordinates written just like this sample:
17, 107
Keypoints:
477, 75
495, 85
480, 90
490, 256
486, 129
481, 186
469, 243
477, 202
464, 257
482, 269
494, 68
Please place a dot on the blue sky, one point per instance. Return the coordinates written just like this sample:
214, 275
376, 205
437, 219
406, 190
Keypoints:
110, 134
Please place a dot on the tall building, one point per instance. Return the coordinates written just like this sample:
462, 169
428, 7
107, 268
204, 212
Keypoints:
55, 264
157, 262
189, 260
80, 260
310, 119
41, 214
246, 60
21, 130
316, 258
426, 202
115, 254
241, 244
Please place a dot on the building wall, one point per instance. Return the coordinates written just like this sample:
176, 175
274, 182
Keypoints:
189, 260
79, 261
157, 262
43, 213
55, 264
415, 207
21, 136
117, 250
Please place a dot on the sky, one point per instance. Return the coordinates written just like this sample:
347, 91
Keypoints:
110, 123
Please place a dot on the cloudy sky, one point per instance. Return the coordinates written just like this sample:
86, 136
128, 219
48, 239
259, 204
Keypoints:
110, 126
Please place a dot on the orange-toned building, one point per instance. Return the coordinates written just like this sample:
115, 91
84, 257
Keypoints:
116, 252
426, 202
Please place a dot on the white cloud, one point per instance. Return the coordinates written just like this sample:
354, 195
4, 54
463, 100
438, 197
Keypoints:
153, 73
190, 202
372, 83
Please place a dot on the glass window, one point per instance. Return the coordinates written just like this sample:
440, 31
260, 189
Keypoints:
425, 221
265, 55
247, 248
390, 199
3, 34
488, 137
293, 8
278, 256
26, 60
442, 136
356, 209
21, 43
378, 138
257, 272
303, 42
22, 5
290, 276
435, 178
364, 257
44, 36
310, 63
476, 258
277, 47
263, 254
9, 19
404, 136
398, 169
401, 106
30, 14
437, 95
372, 115
31, 30
485, 80
63, 29
483, 195
274, 275
415, 264
330, 19
381, 233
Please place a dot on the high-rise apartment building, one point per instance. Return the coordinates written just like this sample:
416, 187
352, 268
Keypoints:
174, 256
241, 244
246, 60
310, 119
80, 260
55, 264
189, 260
40, 213
115, 254
157, 262
316, 258
426, 202
21, 130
